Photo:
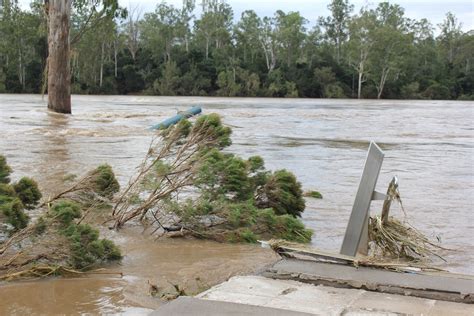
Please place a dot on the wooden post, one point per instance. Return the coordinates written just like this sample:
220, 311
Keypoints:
391, 193
59, 77
360, 210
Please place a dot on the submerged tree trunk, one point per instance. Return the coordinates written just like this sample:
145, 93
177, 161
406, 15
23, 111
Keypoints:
59, 77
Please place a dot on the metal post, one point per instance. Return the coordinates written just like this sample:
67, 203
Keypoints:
358, 220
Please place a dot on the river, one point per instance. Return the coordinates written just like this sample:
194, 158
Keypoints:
429, 145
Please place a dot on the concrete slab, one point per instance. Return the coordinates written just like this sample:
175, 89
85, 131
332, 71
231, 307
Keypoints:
198, 307
283, 294
441, 287
292, 296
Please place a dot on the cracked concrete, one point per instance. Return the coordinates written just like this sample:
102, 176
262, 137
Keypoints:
323, 300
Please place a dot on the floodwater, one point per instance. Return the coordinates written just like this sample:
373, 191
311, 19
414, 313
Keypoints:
429, 145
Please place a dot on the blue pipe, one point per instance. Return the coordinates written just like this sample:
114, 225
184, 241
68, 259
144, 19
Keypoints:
178, 117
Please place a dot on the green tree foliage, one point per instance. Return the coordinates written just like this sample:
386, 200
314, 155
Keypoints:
104, 181
283, 193
5, 170
336, 25
14, 198
178, 50
66, 211
87, 249
28, 192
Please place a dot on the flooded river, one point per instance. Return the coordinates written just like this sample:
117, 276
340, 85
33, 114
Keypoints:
429, 145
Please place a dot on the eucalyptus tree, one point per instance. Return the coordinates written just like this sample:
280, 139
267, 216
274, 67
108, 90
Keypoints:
20, 53
89, 13
290, 34
214, 26
186, 16
449, 36
131, 30
337, 25
267, 37
247, 35
159, 31
391, 44
360, 45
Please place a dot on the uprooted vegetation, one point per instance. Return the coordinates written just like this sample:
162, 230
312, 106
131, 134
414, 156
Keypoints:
187, 185
58, 241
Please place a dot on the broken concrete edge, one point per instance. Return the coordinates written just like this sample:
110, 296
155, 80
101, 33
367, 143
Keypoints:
326, 257
456, 297
195, 306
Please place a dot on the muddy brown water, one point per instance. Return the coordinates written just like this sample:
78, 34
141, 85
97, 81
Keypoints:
429, 145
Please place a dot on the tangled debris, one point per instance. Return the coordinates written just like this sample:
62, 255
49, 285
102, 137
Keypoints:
399, 240
187, 185
391, 239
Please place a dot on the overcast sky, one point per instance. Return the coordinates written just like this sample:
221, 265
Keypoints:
433, 10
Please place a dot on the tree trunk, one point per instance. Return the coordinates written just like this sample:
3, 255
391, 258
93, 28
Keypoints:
115, 58
101, 66
59, 77
359, 88
381, 85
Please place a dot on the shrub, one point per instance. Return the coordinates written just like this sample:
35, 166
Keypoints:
7, 190
5, 170
12, 208
86, 248
282, 193
240, 214
28, 192
66, 211
105, 183
212, 124
292, 229
223, 174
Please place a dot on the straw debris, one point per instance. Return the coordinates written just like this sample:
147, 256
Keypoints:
395, 239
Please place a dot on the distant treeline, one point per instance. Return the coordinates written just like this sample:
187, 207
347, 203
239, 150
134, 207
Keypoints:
375, 53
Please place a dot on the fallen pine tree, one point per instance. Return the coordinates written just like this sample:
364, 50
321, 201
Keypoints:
188, 185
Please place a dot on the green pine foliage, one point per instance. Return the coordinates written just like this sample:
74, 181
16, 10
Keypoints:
212, 124
11, 205
12, 208
5, 170
28, 192
283, 193
65, 211
87, 250
7, 190
105, 183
